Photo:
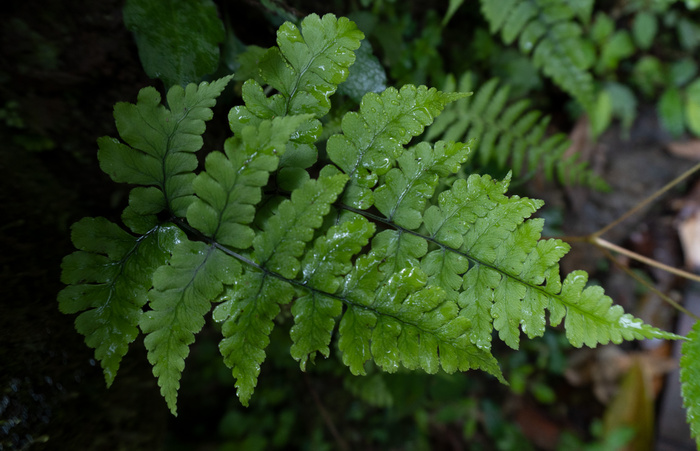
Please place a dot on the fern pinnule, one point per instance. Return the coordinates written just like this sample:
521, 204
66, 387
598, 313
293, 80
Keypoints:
160, 144
404, 190
250, 306
591, 318
230, 187
399, 320
324, 268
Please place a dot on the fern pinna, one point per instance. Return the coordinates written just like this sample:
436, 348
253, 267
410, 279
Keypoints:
356, 241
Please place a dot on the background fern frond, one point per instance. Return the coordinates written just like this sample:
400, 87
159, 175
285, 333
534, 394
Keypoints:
508, 135
546, 28
690, 379
108, 279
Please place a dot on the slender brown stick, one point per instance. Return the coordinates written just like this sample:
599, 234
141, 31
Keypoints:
639, 279
647, 201
606, 246
600, 242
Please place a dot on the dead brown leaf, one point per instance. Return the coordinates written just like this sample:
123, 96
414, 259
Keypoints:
685, 149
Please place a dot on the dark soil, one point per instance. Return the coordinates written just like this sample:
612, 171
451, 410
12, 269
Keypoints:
64, 64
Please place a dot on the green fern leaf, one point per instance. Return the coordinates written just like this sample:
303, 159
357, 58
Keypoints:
159, 145
249, 312
373, 138
230, 187
547, 28
400, 321
323, 269
513, 276
108, 280
181, 296
406, 189
414, 282
690, 379
305, 70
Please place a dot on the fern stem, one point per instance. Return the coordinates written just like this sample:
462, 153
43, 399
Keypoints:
430, 239
600, 242
594, 236
646, 284
297, 283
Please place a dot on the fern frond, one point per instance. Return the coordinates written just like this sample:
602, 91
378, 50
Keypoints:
690, 379
181, 296
547, 29
108, 279
413, 282
158, 149
373, 138
305, 69
504, 133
